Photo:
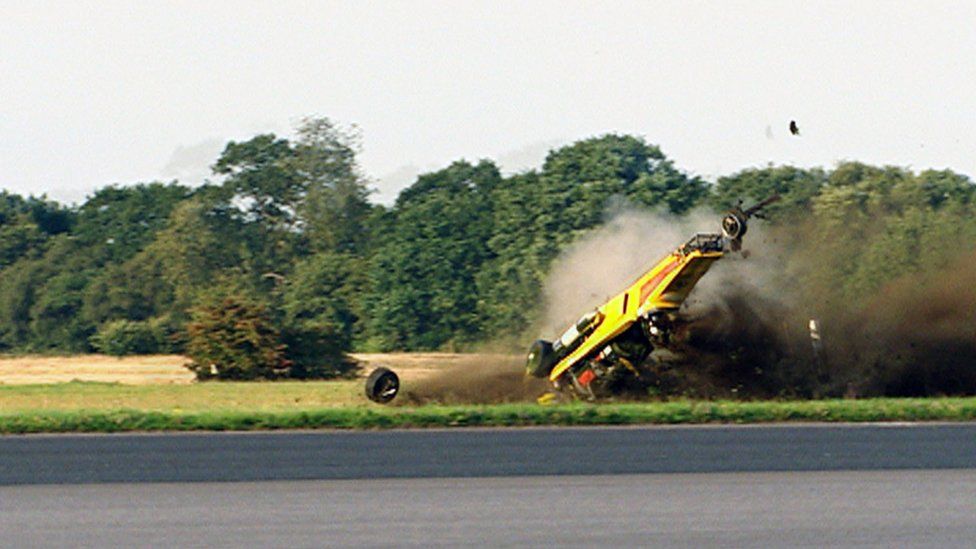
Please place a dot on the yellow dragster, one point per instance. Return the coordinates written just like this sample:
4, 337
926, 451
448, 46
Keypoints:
604, 351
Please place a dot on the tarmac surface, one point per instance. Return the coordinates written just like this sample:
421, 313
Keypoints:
255, 456
729, 486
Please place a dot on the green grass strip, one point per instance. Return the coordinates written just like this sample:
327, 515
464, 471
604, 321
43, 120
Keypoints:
502, 415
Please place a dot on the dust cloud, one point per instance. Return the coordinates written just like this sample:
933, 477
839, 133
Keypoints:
479, 379
745, 331
915, 337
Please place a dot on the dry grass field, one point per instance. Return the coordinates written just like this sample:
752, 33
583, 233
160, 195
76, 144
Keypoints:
136, 370
162, 383
169, 370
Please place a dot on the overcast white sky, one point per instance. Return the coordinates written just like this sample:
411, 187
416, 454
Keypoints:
121, 92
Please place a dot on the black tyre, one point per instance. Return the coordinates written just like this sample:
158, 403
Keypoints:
539, 361
734, 225
382, 385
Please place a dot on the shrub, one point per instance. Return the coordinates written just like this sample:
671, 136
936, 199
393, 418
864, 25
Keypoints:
234, 337
128, 337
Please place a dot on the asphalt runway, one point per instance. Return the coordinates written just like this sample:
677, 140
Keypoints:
901, 508
727, 486
203, 457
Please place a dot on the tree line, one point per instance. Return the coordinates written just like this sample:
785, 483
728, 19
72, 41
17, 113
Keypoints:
281, 264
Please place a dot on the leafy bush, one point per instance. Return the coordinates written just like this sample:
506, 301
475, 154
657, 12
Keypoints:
234, 337
128, 337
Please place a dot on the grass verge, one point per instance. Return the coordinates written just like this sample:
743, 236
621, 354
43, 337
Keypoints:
502, 415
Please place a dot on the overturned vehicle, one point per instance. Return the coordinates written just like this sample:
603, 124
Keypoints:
607, 351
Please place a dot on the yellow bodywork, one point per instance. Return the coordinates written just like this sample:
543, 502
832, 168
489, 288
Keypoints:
663, 288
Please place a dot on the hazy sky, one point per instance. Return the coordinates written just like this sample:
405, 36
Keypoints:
121, 92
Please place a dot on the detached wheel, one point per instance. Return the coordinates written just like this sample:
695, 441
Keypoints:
539, 361
382, 385
734, 225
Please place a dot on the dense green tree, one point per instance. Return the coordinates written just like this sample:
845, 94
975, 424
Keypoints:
43, 295
424, 294
320, 314
260, 196
19, 285
18, 238
851, 173
937, 188
197, 245
581, 178
864, 233
321, 295
26, 224
797, 188
336, 204
56, 321
288, 197
117, 222
509, 284
50, 217
259, 182
135, 290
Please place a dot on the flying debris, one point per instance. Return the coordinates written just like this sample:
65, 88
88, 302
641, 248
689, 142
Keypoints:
794, 129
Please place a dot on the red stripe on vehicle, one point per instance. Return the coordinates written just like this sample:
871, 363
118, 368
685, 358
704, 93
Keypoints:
649, 286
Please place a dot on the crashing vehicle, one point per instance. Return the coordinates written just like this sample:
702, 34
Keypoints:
607, 351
